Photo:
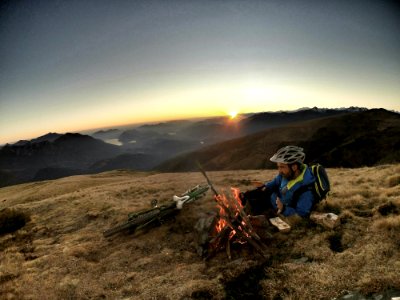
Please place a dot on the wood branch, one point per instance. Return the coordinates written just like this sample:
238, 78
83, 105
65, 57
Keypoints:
237, 221
242, 219
220, 235
244, 230
217, 242
259, 246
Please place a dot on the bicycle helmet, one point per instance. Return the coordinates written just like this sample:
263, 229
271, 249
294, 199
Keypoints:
289, 155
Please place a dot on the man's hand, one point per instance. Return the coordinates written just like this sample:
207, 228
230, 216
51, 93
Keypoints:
279, 204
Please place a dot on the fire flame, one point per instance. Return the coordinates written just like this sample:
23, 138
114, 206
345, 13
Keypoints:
226, 205
232, 221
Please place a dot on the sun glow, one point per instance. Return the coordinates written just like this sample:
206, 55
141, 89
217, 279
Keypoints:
233, 114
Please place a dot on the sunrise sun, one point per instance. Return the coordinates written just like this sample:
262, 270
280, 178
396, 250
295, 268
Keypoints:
233, 114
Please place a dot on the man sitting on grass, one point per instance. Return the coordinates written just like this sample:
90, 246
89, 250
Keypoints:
290, 192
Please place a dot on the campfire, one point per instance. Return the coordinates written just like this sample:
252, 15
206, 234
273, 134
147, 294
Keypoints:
232, 225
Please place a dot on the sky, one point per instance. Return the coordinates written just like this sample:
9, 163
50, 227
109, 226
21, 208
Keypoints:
68, 66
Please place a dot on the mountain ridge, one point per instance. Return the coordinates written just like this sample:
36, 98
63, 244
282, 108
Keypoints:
71, 151
329, 135
56, 155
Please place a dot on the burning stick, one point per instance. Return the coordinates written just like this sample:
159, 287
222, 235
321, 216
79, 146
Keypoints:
238, 222
233, 220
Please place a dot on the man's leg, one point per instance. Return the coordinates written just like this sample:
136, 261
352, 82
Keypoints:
257, 201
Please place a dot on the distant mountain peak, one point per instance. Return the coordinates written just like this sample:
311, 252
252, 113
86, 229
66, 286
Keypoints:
325, 109
106, 131
70, 136
21, 143
48, 137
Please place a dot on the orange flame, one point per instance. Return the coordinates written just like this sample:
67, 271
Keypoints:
234, 206
221, 224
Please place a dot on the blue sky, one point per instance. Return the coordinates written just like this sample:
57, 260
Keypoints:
75, 65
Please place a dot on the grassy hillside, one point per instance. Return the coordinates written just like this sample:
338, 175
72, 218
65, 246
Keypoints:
61, 254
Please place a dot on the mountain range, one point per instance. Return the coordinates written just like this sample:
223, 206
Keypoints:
356, 139
55, 157
176, 137
334, 137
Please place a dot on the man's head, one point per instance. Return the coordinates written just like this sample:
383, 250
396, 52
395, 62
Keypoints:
289, 160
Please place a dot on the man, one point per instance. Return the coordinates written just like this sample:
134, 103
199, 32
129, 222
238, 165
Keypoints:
290, 192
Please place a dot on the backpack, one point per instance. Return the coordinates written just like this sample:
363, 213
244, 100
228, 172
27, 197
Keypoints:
322, 186
319, 188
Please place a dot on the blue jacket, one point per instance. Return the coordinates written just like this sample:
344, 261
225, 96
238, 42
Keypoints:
296, 194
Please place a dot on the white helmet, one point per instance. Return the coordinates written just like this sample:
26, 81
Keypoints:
289, 155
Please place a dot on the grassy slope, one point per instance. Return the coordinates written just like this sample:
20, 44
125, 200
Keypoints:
61, 252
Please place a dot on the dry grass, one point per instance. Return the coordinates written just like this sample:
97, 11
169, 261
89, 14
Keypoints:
12, 220
393, 180
60, 251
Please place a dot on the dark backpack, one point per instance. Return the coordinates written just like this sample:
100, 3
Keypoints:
322, 186
319, 188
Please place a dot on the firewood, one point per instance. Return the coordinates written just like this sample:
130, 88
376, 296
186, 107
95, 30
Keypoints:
247, 235
218, 242
235, 217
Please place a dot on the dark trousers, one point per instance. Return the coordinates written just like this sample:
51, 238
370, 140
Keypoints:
258, 202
